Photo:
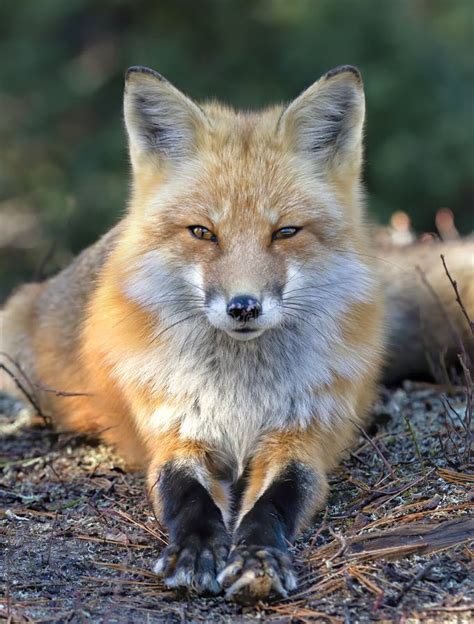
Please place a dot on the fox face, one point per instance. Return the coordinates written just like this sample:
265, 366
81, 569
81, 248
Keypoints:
246, 222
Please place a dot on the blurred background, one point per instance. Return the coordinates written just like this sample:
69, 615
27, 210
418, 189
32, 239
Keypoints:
63, 158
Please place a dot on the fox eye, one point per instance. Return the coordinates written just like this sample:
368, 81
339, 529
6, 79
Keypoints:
285, 232
199, 231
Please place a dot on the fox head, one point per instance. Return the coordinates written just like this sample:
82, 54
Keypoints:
247, 222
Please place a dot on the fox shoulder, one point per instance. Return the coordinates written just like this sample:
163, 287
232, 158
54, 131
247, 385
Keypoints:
38, 314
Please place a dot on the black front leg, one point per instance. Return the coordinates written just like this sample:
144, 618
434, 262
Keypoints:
259, 562
199, 541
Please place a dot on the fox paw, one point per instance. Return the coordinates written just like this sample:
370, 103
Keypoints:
254, 572
193, 564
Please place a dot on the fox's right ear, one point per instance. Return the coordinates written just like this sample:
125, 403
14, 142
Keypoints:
161, 121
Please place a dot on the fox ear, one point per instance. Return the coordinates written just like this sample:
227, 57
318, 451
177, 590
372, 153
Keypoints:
327, 119
160, 120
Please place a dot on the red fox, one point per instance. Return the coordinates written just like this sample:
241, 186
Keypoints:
228, 334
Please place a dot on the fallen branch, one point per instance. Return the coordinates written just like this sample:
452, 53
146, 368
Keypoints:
454, 284
421, 573
372, 443
29, 396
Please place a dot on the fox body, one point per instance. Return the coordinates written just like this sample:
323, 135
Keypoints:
227, 334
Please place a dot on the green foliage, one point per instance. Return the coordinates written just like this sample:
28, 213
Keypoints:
64, 154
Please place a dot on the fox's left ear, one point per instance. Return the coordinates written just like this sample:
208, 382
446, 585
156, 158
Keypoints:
162, 123
326, 121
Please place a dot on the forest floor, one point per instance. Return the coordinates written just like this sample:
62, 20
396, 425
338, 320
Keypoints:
78, 538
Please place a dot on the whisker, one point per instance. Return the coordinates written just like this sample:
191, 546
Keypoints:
186, 318
182, 310
180, 299
199, 333
191, 284
299, 309
185, 340
302, 307
295, 273
318, 286
321, 312
317, 313
301, 319
362, 255
171, 301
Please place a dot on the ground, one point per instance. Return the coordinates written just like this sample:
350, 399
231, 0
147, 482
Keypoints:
78, 538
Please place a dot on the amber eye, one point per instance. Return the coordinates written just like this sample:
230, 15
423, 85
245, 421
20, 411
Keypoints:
199, 231
285, 232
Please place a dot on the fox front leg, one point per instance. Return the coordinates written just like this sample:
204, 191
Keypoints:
277, 502
198, 539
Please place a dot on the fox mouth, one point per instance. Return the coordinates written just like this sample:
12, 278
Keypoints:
246, 330
245, 333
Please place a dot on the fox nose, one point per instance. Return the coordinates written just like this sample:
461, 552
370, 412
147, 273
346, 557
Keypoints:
244, 308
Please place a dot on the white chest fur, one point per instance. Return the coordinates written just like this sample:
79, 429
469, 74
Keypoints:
230, 392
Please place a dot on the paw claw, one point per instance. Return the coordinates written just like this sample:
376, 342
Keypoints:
245, 580
182, 578
166, 561
229, 572
290, 581
192, 564
278, 587
207, 583
253, 573
159, 567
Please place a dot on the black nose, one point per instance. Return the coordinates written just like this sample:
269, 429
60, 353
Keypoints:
244, 308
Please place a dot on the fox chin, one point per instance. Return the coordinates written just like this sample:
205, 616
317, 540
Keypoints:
227, 335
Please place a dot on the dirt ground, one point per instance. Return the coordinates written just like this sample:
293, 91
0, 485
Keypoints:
78, 539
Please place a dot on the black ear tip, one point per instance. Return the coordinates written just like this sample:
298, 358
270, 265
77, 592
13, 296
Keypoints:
139, 69
344, 69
